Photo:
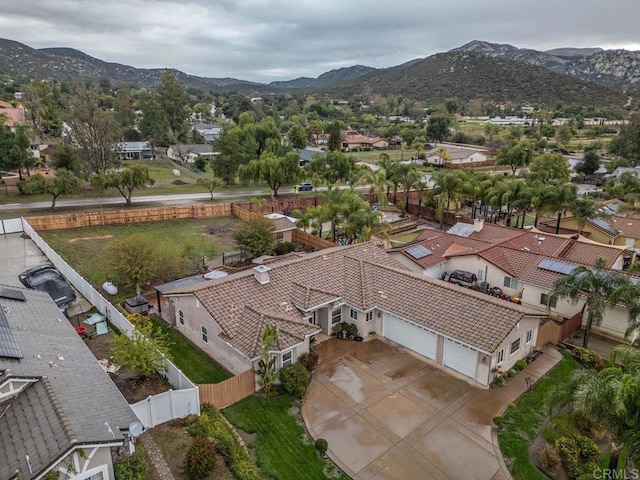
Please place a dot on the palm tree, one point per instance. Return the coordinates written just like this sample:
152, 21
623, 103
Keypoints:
408, 177
377, 182
563, 199
599, 287
474, 187
583, 209
610, 396
443, 156
449, 184
541, 198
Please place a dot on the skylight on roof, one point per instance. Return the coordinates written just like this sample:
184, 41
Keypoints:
555, 266
419, 251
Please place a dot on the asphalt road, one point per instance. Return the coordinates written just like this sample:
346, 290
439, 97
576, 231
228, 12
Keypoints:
165, 199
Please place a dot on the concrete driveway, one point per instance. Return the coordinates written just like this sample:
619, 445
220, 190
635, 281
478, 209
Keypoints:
18, 254
389, 414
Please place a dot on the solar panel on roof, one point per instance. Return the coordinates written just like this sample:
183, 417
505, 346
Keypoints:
419, 251
604, 226
9, 347
555, 266
461, 229
12, 294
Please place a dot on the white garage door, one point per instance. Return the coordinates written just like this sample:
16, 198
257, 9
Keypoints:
460, 358
410, 335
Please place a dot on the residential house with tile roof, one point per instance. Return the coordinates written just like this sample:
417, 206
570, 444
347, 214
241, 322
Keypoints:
59, 410
304, 295
283, 226
524, 265
354, 141
458, 156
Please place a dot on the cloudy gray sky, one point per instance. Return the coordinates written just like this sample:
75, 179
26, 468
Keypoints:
265, 40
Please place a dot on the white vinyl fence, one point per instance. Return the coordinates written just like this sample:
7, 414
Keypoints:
156, 409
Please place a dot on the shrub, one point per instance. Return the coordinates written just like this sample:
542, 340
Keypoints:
590, 470
521, 364
196, 426
588, 359
549, 458
294, 379
284, 248
499, 381
309, 360
200, 459
566, 447
322, 446
588, 449
498, 421
131, 468
512, 372
352, 329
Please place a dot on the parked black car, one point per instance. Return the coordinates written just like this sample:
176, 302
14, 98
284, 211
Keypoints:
46, 278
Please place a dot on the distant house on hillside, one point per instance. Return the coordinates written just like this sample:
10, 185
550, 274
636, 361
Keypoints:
458, 156
209, 131
353, 140
134, 150
14, 116
187, 153
307, 154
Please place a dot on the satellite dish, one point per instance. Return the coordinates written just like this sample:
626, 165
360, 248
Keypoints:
135, 429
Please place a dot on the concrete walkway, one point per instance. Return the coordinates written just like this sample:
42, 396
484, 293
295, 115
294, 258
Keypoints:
389, 414
17, 255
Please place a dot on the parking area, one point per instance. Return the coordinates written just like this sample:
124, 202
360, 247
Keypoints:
17, 254
389, 414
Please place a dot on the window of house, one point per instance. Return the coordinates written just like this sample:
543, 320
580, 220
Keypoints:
515, 346
353, 314
287, 358
205, 334
544, 298
529, 336
500, 357
181, 317
279, 237
336, 315
479, 275
511, 283
369, 316
312, 318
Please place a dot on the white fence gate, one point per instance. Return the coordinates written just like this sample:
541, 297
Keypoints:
182, 401
11, 225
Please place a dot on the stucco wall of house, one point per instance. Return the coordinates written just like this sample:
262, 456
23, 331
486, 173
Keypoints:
194, 317
414, 267
614, 324
531, 295
520, 331
472, 158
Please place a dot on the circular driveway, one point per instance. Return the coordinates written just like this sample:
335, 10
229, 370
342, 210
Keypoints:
389, 414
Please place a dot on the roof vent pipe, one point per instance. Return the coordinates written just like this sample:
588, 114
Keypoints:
261, 274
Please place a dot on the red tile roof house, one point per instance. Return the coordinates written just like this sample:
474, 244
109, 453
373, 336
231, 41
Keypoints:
353, 141
521, 263
303, 295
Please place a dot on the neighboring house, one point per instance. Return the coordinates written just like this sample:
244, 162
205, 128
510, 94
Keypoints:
525, 265
634, 171
457, 156
187, 153
303, 295
511, 121
59, 411
14, 116
616, 231
134, 150
308, 153
283, 226
353, 140
209, 131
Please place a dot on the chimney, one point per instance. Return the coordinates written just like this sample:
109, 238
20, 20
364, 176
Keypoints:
261, 274
478, 223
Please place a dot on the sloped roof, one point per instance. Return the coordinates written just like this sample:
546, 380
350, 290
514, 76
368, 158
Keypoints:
361, 275
85, 396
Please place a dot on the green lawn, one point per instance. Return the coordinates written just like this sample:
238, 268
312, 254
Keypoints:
522, 423
281, 452
83, 248
193, 362
404, 238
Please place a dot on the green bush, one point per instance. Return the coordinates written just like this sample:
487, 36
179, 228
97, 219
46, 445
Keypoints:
499, 381
549, 458
284, 248
521, 364
236, 457
566, 447
294, 379
512, 372
588, 359
322, 446
131, 468
196, 426
587, 448
200, 459
590, 470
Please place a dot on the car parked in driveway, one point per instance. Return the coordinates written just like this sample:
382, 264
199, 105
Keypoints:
304, 187
47, 278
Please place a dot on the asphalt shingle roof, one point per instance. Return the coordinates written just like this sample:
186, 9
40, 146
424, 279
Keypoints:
85, 395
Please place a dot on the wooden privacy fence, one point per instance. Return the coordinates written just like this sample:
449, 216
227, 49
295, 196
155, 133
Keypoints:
556, 331
312, 241
138, 215
228, 392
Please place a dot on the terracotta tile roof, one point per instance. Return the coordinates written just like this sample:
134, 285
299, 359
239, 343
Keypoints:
628, 226
496, 233
442, 245
361, 275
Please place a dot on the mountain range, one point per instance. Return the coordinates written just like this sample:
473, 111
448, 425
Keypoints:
489, 71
